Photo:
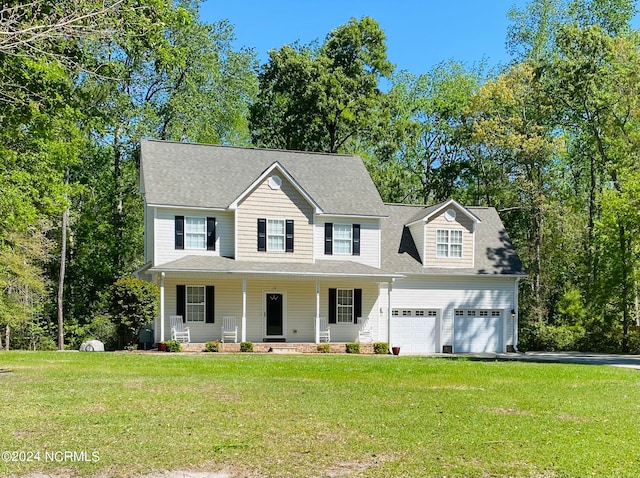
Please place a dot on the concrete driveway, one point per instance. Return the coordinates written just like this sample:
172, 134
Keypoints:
628, 361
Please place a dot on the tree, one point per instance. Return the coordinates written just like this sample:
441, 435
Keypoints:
322, 98
423, 135
511, 118
134, 303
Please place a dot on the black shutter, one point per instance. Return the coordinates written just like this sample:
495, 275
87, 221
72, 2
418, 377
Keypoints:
181, 301
211, 233
289, 236
356, 239
333, 306
328, 238
209, 299
357, 304
179, 232
262, 235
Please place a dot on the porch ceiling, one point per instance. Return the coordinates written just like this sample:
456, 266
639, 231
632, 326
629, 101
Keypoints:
320, 269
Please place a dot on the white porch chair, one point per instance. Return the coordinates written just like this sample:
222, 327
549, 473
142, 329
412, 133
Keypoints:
178, 331
364, 334
324, 334
229, 329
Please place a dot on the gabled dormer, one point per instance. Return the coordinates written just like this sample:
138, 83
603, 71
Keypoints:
274, 219
444, 235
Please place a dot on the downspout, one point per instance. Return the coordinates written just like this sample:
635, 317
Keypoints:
389, 289
162, 275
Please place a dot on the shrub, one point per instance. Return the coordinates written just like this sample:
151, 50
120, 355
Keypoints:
324, 348
173, 346
353, 348
381, 348
212, 347
550, 338
246, 346
133, 304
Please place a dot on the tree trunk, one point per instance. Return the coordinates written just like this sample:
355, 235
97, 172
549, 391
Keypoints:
7, 337
118, 219
63, 264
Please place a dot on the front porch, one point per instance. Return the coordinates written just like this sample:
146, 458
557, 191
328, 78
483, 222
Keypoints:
279, 347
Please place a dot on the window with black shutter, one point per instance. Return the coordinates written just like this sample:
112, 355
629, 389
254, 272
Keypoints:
211, 233
179, 232
262, 235
356, 240
289, 235
328, 238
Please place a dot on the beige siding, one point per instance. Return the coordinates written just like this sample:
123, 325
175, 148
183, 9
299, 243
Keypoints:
369, 241
448, 294
417, 232
283, 203
299, 307
165, 250
461, 223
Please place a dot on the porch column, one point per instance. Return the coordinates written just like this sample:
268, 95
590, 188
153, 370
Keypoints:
243, 334
162, 307
318, 312
389, 289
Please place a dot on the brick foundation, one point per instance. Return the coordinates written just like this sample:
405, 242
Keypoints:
265, 347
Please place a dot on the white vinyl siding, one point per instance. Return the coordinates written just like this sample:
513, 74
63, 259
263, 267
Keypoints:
450, 293
299, 307
370, 237
164, 233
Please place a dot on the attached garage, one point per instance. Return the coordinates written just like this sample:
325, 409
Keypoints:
477, 331
415, 331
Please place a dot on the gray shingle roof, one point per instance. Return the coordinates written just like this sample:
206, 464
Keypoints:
211, 176
494, 253
320, 268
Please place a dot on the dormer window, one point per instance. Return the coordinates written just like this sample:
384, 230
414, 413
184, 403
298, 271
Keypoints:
448, 243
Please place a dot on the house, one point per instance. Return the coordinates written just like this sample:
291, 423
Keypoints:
281, 240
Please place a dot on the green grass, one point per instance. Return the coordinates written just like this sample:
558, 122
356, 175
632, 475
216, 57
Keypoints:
318, 415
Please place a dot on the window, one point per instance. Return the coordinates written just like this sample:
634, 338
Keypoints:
275, 235
448, 243
342, 238
395, 312
195, 304
345, 305
495, 313
196, 232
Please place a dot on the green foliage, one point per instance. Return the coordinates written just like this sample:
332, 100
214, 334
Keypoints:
212, 347
353, 348
100, 327
322, 98
134, 303
324, 348
539, 336
173, 346
381, 348
246, 346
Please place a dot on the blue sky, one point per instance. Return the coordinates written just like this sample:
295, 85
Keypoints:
420, 33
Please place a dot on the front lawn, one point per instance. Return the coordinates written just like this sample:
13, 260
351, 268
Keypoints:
127, 414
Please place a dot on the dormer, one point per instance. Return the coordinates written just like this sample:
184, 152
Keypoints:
444, 235
274, 219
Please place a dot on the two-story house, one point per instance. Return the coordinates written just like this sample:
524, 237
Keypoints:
282, 239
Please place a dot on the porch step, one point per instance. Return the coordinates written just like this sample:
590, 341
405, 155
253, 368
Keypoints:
283, 349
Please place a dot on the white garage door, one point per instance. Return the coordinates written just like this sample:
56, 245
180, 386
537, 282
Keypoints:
477, 331
414, 330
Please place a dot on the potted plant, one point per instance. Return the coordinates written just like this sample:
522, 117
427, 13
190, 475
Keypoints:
395, 350
162, 346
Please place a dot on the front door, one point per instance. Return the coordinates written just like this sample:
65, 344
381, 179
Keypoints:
274, 314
